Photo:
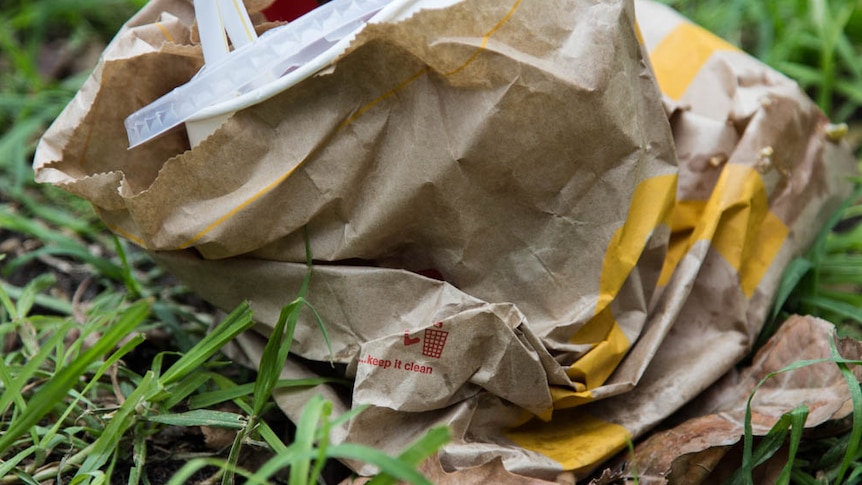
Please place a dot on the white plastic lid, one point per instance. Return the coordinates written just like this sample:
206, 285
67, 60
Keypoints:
253, 64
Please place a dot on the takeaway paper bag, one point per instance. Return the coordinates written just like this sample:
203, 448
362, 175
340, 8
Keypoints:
490, 193
759, 172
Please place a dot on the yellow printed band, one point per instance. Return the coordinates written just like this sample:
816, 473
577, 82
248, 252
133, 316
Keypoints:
678, 58
651, 205
565, 398
165, 32
594, 368
574, 439
639, 35
738, 223
748, 235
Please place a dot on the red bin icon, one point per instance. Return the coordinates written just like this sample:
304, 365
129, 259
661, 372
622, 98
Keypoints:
433, 343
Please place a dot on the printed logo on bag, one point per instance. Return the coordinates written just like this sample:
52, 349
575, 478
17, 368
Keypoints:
408, 340
435, 340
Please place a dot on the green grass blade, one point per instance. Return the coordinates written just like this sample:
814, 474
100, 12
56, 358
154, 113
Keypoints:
92, 478
303, 290
797, 426
773, 440
114, 358
818, 249
387, 464
238, 321
838, 307
11, 390
6, 301
793, 274
306, 432
75, 221
418, 452
426, 446
752, 457
26, 478
184, 475
139, 455
270, 437
7, 466
401, 468
202, 417
233, 457
322, 446
120, 422
50, 303
853, 443
210, 398
226, 383
282, 460
56, 243
275, 355
126, 276
350, 414
322, 328
56, 388
185, 387
34, 287
14, 386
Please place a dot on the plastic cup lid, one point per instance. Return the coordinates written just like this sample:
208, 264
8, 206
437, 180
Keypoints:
297, 49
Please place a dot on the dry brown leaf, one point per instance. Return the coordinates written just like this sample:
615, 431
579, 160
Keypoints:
608, 477
218, 438
696, 467
688, 453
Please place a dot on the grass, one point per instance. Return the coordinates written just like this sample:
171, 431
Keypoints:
78, 307
62, 420
105, 357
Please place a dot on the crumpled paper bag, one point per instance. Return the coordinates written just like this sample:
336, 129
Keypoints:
514, 232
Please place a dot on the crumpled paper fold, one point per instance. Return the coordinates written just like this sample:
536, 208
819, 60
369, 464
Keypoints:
531, 221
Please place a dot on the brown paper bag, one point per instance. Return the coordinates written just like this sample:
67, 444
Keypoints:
503, 241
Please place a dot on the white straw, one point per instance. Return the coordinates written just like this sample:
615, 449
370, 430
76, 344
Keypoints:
236, 21
213, 40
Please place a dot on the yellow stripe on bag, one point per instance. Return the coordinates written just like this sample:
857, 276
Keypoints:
574, 439
748, 234
165, 32
738, 223
686, 215
565, 398
651, 205
639, 35
678, 58
131, 237
594, 368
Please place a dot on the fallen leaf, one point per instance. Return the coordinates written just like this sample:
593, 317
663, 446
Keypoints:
218, 438
687, 454
608, 477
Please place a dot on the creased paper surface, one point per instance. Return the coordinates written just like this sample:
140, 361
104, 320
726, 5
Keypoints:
514, 231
